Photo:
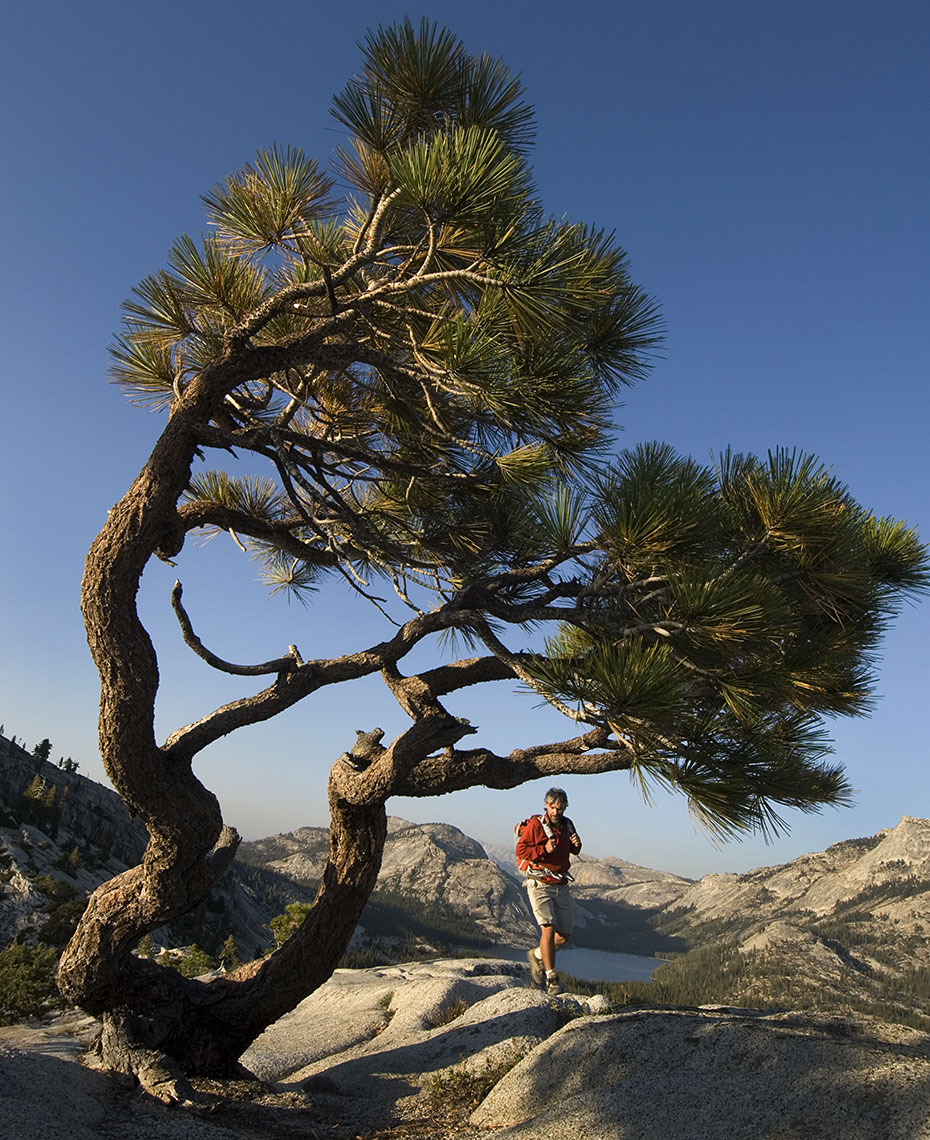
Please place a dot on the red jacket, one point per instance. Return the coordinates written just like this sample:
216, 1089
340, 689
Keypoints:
531, 846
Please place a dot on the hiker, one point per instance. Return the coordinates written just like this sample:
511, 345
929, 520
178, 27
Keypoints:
544, 847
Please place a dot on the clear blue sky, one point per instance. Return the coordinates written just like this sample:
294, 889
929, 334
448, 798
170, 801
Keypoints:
765, 164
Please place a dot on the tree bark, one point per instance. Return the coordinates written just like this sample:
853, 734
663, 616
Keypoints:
160, 1026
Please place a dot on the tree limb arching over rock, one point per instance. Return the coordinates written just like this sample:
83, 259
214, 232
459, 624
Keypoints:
423, 376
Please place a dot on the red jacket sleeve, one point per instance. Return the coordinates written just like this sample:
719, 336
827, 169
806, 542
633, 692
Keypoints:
532, 845
532, 842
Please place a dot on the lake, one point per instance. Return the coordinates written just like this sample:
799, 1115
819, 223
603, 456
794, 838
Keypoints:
593, 965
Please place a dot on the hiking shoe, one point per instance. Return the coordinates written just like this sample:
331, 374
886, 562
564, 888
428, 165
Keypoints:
536, 968
552, 985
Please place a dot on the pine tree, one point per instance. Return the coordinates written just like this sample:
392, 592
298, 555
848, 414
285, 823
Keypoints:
229, 954
33, 802
420, 378
283, 925
193, 962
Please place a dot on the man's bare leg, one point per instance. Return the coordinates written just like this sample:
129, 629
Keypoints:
549, 942
547, 947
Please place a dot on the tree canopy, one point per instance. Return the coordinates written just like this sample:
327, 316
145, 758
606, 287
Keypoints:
417, 369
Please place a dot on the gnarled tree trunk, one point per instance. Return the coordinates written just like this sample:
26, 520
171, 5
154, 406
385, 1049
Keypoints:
159, 1025
153, 1017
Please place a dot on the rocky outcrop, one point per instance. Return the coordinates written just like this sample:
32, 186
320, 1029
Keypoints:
617, 881
902, 854
299, 855
365, 1027
670, 1074
826, 961
842, 929
468, 1050
83, 812
817, 882
882, 879
38, 876
77, 835
62, 840
441, 866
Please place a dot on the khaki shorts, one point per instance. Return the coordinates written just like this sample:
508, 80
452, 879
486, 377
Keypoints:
551, 904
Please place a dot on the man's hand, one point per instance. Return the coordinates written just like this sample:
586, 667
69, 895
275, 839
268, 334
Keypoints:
551, 845
575, 841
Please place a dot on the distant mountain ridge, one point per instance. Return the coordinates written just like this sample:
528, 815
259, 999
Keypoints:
887, 873
845, 929
436, 867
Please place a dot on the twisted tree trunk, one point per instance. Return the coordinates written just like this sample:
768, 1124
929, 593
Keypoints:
160, 1026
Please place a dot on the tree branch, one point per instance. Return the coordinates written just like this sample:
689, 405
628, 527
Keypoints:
418, 694
279, 665
224, 852
279, 534
298, 683
269, 309
455, 770
500, 650
377, 782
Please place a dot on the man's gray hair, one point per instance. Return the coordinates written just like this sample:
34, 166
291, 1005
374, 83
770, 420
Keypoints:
557, 796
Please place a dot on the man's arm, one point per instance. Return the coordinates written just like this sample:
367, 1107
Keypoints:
532, 844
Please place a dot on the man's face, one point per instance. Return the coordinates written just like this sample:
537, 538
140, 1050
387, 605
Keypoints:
555, 810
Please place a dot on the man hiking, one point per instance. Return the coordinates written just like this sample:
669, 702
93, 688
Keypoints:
544, 848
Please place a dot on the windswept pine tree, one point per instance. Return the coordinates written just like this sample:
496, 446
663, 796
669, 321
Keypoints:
422, 375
